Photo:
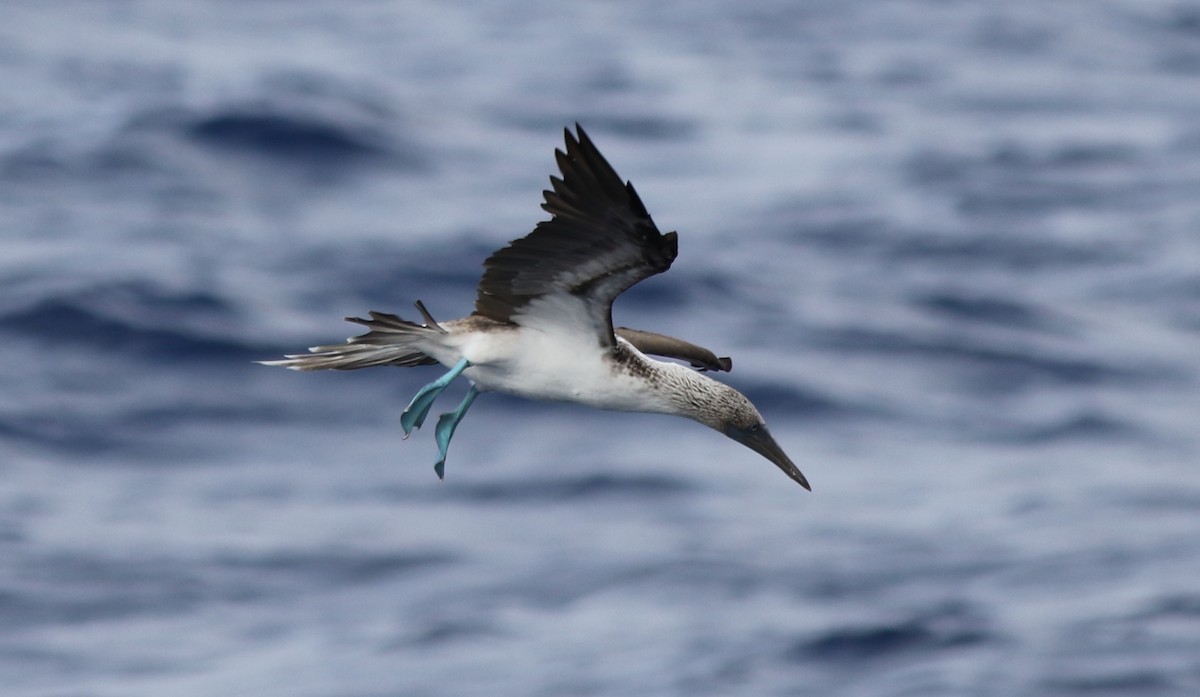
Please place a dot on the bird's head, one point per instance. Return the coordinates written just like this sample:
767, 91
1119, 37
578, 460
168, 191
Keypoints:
732, 413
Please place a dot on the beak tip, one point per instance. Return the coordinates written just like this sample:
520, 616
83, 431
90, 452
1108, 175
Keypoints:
762, 443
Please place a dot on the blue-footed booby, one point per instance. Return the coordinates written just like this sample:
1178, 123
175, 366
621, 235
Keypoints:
542, 326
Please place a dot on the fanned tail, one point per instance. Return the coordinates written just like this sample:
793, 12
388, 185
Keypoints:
390, 341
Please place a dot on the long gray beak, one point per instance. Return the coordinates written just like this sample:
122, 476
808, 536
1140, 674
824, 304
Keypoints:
764, 444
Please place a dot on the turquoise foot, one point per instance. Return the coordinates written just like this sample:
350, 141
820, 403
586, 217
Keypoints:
445, 429
416, 411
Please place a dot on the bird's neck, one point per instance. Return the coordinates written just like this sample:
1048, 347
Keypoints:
674, 388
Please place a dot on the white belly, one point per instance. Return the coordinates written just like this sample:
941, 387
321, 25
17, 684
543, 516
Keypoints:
539, 365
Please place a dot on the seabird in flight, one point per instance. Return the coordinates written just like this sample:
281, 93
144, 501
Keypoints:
542, 326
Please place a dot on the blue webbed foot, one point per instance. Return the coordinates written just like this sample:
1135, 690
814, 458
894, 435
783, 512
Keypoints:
416, 411
445, 429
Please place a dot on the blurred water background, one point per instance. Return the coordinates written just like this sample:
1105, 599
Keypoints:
953, 248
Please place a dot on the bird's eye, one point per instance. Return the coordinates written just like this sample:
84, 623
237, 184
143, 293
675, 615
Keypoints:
755, 428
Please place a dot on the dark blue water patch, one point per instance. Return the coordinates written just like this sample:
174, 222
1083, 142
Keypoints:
61, 322
34, 660
61, 431
446, 288
140, 438
37, 162
11, 529
951, 627
1014, 159
160, 303
440, 633
1185, 20
990, 246
161, 418
798, 43
722, 576
1005, 369
282, 136
144, 163
1085, 427
161, 413
1174, 297
896, 562
1003, 33
682, 575
1039, 199
80, 588
389, 278
990, 310
583, 487
1169, 619
1160, 500
275, 574
838, 229
1122, 653
834, 224
1114, 682
291, 138
1176, 33
1011, 161
41, 163
1014, 181
1185, 606
136, 319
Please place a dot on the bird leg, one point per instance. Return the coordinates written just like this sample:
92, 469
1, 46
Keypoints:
416, 411
445, 429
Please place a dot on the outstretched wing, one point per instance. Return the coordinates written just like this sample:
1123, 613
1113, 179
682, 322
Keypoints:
669, 346
599, 241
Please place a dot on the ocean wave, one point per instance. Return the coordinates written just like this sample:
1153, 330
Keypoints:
1086, 427
978, 308
313, 133
82, 587
284, 135
574, 488
1008, 367
949, 627
140, 319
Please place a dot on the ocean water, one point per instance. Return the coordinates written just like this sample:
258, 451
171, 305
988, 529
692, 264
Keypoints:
953, 248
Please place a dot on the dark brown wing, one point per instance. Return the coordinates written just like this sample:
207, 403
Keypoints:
669, 346
599, 241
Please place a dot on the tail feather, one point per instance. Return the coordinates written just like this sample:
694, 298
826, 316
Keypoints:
390, 341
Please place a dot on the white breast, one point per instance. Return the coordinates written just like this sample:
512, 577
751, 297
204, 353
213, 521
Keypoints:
539, 364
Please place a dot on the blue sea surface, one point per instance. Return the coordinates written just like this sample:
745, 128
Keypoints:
952, 247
